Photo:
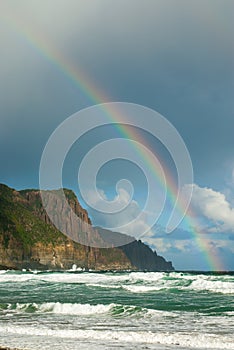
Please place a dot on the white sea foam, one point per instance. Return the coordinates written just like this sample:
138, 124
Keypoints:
63, 277
65, 308
141, 289
146, 276
85, 309
229, 313
135, 282
83, 278
202, 340
104, 285
16, 277
76, 309
213, 286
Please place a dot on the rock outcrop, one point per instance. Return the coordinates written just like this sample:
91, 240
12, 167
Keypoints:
29, 240
140, 254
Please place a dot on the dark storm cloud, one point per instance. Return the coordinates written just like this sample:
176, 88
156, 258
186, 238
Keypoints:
175, 57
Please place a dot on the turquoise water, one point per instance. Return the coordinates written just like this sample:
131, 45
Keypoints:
130, 310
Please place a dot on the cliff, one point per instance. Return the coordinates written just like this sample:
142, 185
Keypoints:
140, 254
29, 240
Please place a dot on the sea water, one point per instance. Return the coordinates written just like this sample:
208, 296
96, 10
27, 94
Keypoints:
112, 310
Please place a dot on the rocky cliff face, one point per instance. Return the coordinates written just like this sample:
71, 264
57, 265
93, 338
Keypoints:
28, 239
78, 226
59, 256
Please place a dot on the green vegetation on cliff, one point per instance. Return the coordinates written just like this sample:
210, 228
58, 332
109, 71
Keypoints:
17, 219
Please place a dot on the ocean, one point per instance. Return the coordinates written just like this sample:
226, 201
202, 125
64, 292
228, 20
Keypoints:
113, 310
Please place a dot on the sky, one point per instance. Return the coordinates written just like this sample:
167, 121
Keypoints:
173, 56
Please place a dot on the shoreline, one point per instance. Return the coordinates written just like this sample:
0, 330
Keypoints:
7, 348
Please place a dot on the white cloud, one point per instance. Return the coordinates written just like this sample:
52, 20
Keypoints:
188, 246
160, 244
215, 207
132, 220
163, 245
212, 207
188, 254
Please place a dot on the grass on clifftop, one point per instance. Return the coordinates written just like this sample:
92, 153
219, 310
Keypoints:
18, 219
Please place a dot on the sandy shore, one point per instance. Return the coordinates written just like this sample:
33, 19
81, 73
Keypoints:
6, 348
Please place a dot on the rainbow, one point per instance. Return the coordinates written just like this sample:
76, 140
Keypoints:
57, 58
